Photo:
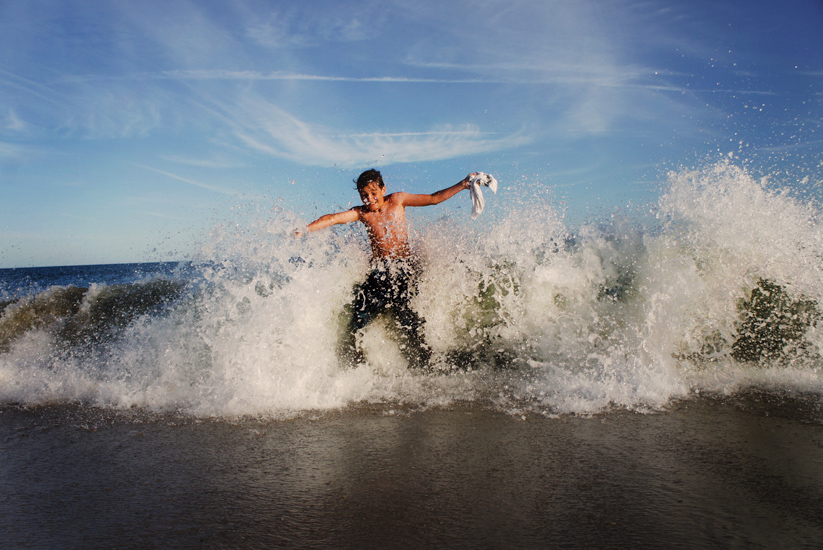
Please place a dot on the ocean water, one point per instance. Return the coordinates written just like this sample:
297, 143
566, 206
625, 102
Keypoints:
716, 290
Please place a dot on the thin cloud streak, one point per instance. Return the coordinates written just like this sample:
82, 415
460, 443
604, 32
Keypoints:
251, 76
215, 163
583, 76
29, 87
277, 75
10, 152
214, 188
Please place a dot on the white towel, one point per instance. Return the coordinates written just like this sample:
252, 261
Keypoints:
478, 202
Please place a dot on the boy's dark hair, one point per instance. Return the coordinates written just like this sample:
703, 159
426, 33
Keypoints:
369, 176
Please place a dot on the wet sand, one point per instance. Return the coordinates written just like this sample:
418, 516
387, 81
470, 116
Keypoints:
742, 473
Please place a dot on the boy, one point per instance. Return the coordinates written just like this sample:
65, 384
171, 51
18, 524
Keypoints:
392, 281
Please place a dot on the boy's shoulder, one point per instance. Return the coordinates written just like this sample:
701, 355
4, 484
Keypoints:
396, 197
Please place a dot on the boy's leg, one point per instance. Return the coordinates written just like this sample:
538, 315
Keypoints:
350, 352
413, 344
369, 299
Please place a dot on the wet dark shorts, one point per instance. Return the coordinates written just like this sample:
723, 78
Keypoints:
390, 284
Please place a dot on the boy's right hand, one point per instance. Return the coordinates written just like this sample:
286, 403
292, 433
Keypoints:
467, 180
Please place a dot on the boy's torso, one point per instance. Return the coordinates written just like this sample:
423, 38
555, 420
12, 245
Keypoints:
387, 228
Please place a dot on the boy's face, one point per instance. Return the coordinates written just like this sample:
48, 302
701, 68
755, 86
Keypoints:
372, 196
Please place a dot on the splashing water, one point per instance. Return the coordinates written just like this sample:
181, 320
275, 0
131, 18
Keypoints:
522, 314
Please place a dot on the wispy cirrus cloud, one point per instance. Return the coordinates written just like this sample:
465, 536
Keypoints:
254, 76
278, 133
12, 122
216, 163
30, 88
12, 153
208, 186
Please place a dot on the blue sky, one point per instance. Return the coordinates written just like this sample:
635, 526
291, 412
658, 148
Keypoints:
128, 129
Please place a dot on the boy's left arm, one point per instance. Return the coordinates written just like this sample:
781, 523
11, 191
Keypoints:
439, 196
322, 222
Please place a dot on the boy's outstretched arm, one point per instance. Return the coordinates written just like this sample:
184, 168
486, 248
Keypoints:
437, 197
328, 220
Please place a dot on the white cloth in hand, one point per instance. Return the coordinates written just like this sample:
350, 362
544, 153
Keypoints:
478, 202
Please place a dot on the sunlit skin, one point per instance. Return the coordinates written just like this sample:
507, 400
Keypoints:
385, 216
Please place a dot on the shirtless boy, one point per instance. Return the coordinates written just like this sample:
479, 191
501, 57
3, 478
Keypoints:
392, 282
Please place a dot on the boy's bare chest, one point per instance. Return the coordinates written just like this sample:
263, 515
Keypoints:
383, 221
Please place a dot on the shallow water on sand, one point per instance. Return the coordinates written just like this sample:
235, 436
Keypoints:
705, 473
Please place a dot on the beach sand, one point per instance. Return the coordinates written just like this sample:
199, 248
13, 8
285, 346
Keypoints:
743, 472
